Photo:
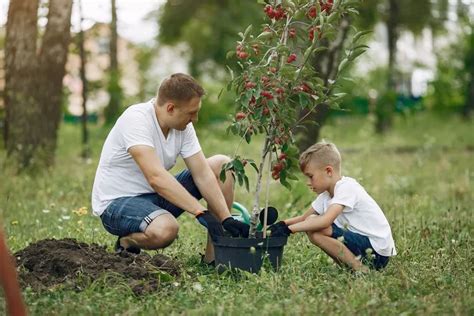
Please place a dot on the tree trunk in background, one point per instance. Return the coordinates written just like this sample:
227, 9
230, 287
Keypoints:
33, 86
21, 110
468, 108
52, 58
112, 111
325, 63
82, 54
385, 108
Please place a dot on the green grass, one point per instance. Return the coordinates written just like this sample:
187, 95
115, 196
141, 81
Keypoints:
421, 174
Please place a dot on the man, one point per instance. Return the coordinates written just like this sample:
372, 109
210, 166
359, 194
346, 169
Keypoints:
136, 197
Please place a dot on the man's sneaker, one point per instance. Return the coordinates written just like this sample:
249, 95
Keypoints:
119, 249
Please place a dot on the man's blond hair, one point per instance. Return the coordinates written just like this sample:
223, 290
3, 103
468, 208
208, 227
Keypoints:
323, 154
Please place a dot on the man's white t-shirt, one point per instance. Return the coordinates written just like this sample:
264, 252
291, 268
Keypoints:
118, 174
361, 214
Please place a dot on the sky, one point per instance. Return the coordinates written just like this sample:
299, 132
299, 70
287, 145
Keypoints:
131, 16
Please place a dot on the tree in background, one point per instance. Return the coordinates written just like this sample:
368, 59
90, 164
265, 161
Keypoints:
397, 15
33, 83
112, 111
82, 56
208, 27
453, 85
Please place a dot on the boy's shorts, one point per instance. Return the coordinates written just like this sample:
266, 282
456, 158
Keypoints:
360, 245
132, 214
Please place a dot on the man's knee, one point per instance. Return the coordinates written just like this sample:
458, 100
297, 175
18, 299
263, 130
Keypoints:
163, 233
216, 162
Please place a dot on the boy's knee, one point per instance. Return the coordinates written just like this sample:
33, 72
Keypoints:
315, 237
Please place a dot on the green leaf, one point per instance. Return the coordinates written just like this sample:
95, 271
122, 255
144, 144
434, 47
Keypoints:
248, 138
230, 54
358, 35
246, 180
356, 54
231, 73
264, 35
319, 49
240, 179
222, 175
247, 31
253, 164
342, 65
220, 93
238, 165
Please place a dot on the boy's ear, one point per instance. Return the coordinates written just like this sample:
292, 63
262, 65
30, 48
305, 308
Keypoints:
329, 170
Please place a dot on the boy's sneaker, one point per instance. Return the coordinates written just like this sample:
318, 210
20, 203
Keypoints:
119, 248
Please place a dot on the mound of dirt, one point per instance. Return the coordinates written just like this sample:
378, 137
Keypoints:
50, 262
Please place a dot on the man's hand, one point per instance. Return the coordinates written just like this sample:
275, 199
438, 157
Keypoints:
236, 228
280, 229
213, 226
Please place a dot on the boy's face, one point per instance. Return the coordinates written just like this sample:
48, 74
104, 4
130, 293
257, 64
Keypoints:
319, 178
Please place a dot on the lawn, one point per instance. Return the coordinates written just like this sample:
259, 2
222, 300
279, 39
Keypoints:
421, 173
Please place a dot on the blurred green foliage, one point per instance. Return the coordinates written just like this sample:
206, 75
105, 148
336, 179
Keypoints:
449, 87
209, 27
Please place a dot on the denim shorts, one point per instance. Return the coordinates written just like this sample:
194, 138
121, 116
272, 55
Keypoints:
133, 214
360, 245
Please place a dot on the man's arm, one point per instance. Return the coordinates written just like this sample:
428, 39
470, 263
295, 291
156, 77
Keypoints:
316, 223
162, 181
8, 281
207, 184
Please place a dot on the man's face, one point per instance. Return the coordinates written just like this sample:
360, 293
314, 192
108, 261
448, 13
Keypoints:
319, 178
185, 113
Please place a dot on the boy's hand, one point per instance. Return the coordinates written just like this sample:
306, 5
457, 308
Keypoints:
280, 229
213, 226
236, 228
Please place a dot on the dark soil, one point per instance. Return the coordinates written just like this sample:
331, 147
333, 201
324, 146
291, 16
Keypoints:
50, 262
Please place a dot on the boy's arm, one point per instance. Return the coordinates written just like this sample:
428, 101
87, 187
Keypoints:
316, 223
297, 219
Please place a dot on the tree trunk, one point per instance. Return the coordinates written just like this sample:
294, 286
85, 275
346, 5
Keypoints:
21, 110
53, 57
325, 63
82, 54
34, 80
468, 109
114, 89
385, 110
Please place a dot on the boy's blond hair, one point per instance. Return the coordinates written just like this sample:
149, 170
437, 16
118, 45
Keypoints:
322, 153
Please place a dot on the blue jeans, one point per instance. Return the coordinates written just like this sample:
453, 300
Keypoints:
360, 245
133, 214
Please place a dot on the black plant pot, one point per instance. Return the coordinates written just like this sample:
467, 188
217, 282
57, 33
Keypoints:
248, 253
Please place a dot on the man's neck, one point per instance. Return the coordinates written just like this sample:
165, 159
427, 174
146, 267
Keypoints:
161, 120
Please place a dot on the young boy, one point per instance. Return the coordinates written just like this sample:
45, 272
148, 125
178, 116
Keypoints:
344, 220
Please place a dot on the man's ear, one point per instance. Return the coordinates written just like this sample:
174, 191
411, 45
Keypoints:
170, 107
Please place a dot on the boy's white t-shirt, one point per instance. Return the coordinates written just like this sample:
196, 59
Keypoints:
361, 214
118, 174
